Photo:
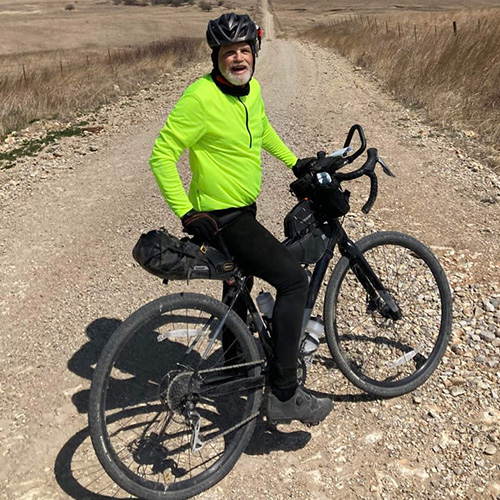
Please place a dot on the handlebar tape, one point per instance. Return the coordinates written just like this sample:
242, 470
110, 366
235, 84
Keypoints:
373, 193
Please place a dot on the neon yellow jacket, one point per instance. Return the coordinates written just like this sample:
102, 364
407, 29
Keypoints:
225, 136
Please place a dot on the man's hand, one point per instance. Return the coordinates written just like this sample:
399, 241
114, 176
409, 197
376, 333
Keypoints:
201, 225
302, 166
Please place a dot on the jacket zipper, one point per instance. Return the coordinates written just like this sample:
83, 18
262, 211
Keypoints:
246, 120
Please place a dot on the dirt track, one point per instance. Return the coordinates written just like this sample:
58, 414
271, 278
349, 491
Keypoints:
71, 216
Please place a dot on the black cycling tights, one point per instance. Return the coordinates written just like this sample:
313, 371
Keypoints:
258, 253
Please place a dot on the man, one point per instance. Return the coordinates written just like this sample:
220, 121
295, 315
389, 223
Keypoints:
221, 120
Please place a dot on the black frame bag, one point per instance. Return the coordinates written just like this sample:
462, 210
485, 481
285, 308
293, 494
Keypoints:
306, 235
171, 258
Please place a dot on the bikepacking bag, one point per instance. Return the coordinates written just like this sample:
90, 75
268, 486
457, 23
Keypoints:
329, 198
306, 236
171, 258
332, 200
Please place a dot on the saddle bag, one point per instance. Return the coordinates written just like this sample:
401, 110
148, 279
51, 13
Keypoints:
171, 258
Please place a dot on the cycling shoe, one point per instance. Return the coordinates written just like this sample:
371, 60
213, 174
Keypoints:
302, 406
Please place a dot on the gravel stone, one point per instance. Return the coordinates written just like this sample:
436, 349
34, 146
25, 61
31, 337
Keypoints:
67, 280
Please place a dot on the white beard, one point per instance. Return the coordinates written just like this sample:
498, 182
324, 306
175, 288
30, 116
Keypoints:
238, 80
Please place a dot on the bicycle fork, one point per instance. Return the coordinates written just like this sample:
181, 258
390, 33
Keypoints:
379, 297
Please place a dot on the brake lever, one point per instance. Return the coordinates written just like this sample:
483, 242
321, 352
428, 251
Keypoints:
385, 168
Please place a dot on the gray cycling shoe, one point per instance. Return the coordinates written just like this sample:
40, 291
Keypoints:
302, 406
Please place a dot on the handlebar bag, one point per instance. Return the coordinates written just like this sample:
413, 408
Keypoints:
331, 199
171, 258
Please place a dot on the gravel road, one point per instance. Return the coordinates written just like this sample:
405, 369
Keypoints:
71, 215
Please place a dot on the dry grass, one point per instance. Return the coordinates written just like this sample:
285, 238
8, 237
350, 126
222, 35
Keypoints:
55, 89
454, 77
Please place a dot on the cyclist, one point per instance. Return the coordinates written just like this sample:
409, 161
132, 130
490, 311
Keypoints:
259, 35
221, 119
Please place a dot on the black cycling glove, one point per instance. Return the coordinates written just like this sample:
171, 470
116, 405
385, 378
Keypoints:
201, 225
303, 166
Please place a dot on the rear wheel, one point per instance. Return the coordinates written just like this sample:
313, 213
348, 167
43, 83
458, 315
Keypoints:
378, 352
170, 412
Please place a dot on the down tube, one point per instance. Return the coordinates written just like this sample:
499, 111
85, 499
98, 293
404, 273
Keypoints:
317, 280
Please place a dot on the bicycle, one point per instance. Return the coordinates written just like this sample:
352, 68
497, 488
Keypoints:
171, 411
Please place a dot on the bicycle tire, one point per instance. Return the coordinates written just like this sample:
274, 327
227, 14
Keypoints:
379, 355
135, 393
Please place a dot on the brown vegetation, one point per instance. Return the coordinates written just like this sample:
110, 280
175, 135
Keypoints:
203, 5
447, 64
61, 90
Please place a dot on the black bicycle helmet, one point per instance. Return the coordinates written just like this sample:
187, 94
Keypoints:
231, 28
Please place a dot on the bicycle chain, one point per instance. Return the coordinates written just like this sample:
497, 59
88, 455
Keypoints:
239, 424
232, 367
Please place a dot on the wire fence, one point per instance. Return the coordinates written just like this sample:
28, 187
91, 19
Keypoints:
64, 65
406, 29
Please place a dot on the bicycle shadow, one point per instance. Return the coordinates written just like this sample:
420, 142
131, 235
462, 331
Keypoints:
80, 475
77, 470
83, 361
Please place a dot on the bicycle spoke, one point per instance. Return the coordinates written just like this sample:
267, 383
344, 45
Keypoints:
156, 389
371, 345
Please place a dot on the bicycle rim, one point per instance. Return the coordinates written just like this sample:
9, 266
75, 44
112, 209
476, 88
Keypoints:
146, 381
380, 355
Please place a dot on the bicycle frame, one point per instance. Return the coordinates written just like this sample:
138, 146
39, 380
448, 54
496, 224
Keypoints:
379, 297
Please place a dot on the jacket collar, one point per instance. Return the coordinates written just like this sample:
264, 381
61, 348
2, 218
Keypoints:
229, 88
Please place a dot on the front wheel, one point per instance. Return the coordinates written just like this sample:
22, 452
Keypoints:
172, 409
383, 353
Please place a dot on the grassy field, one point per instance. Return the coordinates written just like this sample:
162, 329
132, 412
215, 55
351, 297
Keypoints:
45, 25
297, 15
69, 60
444, 60
76, 59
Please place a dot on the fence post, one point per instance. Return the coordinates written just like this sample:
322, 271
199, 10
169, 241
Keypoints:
88, 63
386, 28
24, 75
455, 28
109, 56
399, 30
61, 66
415, 30
479, 25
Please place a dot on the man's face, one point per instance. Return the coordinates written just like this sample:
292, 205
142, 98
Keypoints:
236, 63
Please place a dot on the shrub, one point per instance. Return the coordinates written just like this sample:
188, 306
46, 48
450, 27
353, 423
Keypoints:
69, 7
220, 3
206, 6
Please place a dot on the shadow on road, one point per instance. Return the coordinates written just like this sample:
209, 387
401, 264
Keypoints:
77, 469
83, 361
80, 475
